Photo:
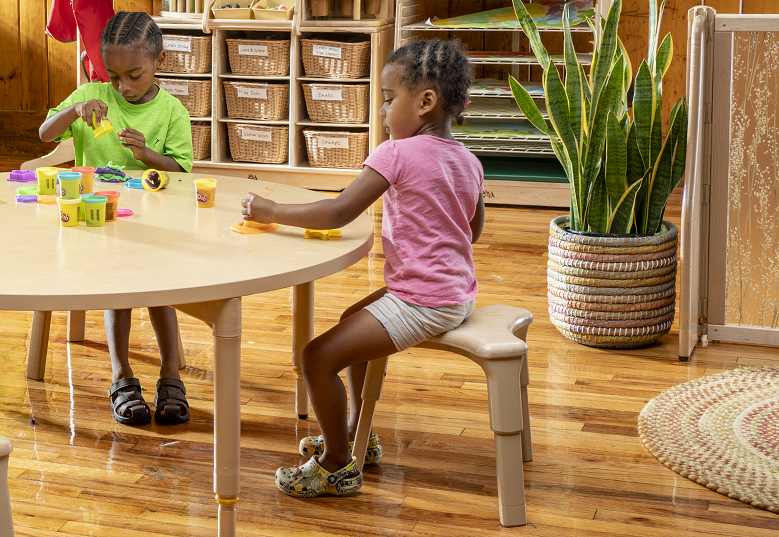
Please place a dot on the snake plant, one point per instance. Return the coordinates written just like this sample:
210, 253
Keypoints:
620, 168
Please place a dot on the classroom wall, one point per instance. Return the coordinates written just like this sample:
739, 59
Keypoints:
37, 72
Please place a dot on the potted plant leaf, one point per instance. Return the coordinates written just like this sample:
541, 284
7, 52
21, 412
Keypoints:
612, 261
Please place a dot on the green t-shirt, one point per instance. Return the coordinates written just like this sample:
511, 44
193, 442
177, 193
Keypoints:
163, 121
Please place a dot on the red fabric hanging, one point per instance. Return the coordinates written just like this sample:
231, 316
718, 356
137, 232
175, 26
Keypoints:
87, 17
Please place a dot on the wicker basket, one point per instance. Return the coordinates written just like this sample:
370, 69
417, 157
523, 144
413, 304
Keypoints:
195, 95
611, 291
268, 144
201, 141
258, 57
186, 54
337, 103
336, 149
270, 104
334, 59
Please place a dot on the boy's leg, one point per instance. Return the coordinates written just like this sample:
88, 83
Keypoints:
359, 338
166, 329
117, 331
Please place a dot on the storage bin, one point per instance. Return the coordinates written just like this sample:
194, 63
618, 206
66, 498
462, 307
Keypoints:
258, 56
194, 94
337, 103
267, 144
186, 54
250, 100
335, 59
243, 12
201, 141
336, 149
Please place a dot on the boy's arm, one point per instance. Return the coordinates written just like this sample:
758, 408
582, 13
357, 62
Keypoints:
57, 124
324, 214
477, 222
135, 141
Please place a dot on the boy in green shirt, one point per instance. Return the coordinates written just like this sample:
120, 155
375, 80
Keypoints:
153, 131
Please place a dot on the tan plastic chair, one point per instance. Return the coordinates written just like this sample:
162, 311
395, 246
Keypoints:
6, 524
493, 337
41, 320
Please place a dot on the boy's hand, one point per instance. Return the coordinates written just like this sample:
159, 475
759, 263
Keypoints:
257, 209
85, 110
135, 141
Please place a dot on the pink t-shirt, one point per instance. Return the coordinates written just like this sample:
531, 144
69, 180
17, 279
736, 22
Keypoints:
426, 236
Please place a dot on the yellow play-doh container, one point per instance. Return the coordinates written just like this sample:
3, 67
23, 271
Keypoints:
205, 192
111, 204
87, 176
68, 211
70, 185
154, 180
47, 179
94, 207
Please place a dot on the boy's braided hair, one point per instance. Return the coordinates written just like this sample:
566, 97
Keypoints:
439, 64
128, 28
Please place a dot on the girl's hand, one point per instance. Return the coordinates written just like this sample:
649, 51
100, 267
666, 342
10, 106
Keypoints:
135, 141
85, 110
257, 209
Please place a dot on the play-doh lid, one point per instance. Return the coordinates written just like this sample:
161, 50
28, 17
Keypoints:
69, 176
94, 199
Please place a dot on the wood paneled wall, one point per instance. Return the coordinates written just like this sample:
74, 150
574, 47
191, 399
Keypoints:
37, 72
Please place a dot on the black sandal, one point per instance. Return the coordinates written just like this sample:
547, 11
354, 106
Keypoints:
171, 402
128, 404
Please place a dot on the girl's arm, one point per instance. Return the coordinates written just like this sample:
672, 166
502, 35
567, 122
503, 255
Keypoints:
324, 214
57, 124
477, 222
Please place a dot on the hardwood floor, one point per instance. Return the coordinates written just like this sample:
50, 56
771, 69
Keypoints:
77, 471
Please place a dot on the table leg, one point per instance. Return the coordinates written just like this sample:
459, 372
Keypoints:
77, 325
39, 344
302, 333
224, 317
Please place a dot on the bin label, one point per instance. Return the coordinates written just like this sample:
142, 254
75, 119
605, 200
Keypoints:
320, 94
330, 142
259, 136
176, 89
253, 93
327, 52
177, 45
253, 50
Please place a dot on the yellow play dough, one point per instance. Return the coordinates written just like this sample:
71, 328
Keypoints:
246, 227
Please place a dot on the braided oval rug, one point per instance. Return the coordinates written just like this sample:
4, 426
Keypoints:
722, 432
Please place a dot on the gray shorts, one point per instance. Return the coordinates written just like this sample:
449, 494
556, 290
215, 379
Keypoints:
408, 324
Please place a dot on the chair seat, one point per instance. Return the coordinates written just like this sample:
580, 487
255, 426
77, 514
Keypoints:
489, 333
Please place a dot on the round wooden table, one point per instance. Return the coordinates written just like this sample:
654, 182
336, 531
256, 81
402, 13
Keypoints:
170, 252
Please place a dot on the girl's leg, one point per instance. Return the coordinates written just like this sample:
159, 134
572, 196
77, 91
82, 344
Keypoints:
166, 328
117, 331
355, 373
359, 338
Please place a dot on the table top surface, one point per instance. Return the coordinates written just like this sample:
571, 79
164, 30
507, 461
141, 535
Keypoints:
168, 252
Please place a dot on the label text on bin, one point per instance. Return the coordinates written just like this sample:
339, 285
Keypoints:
176, 89
319, 94
176, 45
327, 52
259, 136
253, 93
328, 142
253, 50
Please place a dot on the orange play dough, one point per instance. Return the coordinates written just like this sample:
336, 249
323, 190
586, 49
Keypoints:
249, 228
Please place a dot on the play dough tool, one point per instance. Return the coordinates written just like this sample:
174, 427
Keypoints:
27, 198
21, 176
154, 180
104, 128
27, 190
246, 227
124, 212
134, 183
324, 234
47, 199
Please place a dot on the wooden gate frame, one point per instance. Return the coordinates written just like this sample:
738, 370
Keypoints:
702, 254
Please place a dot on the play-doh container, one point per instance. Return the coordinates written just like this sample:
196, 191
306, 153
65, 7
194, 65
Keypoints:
205, 192
70, 185
87, 177
47, 180
68, 211
94, 207
111, 205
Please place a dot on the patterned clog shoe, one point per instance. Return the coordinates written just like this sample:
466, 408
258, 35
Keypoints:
314, 446
311, 480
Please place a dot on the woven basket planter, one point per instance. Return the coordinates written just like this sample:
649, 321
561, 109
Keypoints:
613, 291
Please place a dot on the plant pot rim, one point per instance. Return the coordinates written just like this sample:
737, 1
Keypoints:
558, 228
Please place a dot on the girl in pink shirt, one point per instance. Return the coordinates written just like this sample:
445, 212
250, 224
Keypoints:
431, 187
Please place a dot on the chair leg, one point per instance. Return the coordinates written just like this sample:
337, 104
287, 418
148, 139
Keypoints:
39, 344
511, 479
371, 391
77, 325
527, 444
